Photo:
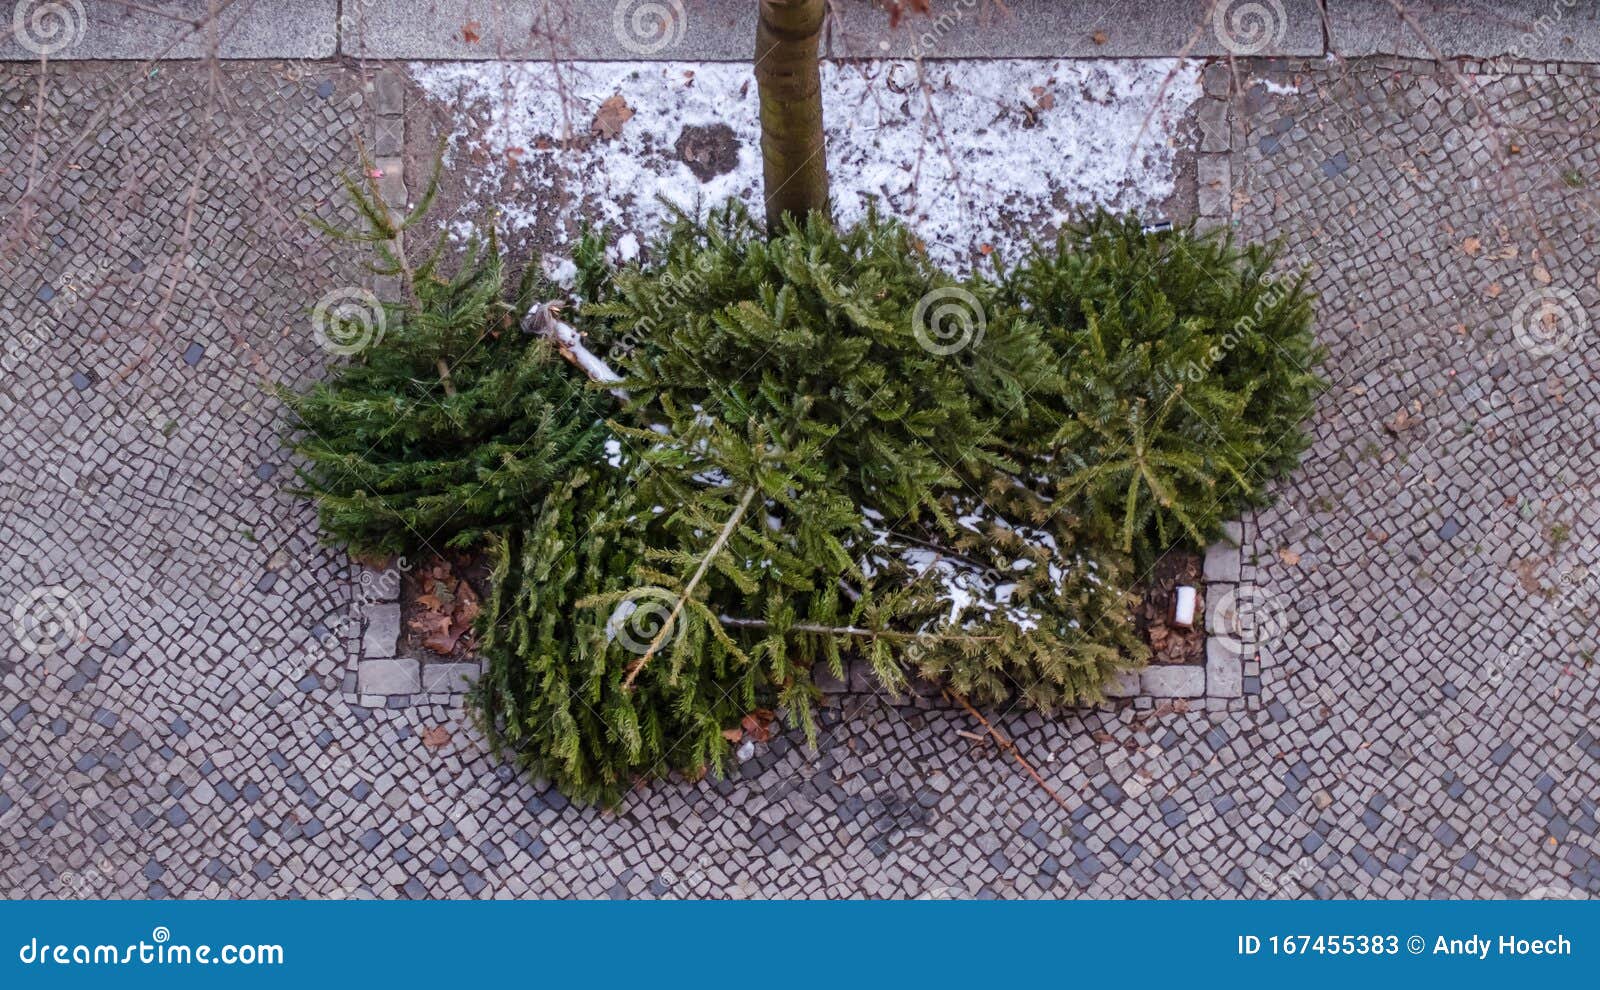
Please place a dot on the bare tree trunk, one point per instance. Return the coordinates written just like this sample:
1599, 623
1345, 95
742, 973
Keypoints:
789, 81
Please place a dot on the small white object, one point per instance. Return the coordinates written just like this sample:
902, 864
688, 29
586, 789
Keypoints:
1183, 607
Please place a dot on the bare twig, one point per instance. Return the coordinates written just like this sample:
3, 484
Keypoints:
1009, 747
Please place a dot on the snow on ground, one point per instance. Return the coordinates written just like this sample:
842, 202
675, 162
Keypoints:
1028, 139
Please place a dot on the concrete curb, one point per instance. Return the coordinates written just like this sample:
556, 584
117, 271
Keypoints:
723, 30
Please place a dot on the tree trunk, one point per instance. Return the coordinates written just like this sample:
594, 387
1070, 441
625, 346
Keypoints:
789, 82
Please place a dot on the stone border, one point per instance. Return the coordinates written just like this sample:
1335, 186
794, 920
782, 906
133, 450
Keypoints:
720, 30
382, 678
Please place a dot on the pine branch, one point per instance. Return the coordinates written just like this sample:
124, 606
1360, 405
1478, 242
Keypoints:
694, 582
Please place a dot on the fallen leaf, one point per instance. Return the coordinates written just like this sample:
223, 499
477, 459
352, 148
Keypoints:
1043, 98
1541, 274
429, 623
443, 643
436, 737
1288, 556
1099, 37
471, 32
467, 607
758, 724
1400, 422
608, 120
733, 735
1494, 290
1472, 246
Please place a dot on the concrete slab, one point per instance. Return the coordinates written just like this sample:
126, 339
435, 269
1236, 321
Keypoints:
724, 30
1536, 30
391, 675
178, 29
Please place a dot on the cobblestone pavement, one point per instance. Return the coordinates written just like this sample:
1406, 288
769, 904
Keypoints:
1426, 725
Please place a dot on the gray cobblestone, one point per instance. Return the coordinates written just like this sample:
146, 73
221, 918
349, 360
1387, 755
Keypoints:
1424, 724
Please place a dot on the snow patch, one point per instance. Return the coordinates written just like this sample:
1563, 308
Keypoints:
990, 152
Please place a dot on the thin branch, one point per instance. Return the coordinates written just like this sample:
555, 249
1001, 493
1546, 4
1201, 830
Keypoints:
859, 631
694, 582
1009, 747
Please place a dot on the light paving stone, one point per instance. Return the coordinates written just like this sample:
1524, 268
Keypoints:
1224, 670
446, 678
382, 632
395, 675
1173, 681
1223, 558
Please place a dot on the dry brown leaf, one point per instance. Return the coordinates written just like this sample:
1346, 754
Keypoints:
1472, 246
436, 737
733, 735
1288, 556
759, 724
472, 32
443, 643
608, 120
429, 623
1099, 37
1401, 422
1541, 274
467, 607
1494, 290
